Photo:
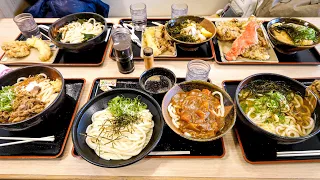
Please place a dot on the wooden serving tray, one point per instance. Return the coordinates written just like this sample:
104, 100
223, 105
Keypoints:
93, 57
170, 142
58, 125
258, 149
205, 52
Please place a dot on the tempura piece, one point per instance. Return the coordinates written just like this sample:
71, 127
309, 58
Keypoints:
16, 49
43, 48
247, 39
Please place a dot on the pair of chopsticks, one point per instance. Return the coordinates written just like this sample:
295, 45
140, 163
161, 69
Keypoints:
22, 140
298, 153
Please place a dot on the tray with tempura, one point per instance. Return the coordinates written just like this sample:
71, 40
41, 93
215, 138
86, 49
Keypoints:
261, 53
205, 52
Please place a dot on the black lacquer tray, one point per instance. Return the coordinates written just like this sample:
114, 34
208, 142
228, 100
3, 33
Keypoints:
306, 57
93, 57
58, 125
205, 52
170, 142
258, 149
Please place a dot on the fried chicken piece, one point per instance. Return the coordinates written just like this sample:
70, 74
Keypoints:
43, 48
16, 49
229, 30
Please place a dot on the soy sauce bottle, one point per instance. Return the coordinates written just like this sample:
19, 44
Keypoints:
122, 47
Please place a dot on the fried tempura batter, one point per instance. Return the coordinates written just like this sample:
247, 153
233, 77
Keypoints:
43, 48
231, 30
16, 49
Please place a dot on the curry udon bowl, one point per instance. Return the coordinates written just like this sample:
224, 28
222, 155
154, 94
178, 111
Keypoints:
12, 77
286, 48
77, 47
229, 115
295, 86
191, 46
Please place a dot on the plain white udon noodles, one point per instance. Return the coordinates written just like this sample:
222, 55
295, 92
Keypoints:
124, 147
74, 31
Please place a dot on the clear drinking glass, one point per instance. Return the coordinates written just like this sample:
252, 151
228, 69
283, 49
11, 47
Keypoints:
139, 16
198, 70
179, 10
27, 25
122, 47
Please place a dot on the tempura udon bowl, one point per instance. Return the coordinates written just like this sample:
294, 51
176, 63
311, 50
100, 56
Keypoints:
187, 86
12, 77
285, 130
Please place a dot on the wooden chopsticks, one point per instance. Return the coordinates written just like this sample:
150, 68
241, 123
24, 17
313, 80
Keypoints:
298, 153
22, 140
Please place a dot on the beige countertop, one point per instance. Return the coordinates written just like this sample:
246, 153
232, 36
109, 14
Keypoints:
232, 165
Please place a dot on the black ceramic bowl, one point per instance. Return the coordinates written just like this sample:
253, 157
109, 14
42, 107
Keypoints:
11, 78
288, 48
100, 102
77, 47
295, 86
230, 112
153, 72
191, 46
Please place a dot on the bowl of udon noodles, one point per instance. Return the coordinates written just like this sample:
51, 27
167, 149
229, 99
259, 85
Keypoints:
278, 107
198, 110
29, 96
289, 35
78, 32
117, 128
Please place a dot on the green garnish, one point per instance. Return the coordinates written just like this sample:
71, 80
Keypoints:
88, 36
59, 36
125, 112
298, 32
6, 97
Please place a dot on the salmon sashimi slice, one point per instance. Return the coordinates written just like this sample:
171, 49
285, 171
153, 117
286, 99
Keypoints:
247, 39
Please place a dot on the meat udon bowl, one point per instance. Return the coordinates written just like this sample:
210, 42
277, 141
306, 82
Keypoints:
198, 111
29, 96
278, 107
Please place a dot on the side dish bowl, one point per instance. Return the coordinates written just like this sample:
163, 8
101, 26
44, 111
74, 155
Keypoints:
100, 102
154, 72
12, 77
191, 46
230, 110
289, 48
77, 47
294, 86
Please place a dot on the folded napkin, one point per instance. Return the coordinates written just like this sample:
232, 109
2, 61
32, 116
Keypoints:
4, 70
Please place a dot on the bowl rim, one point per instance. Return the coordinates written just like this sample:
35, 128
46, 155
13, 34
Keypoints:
90, 103
191, 43
156, 68
225, 94
261, 129
52, 103
75, 14
270, 23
